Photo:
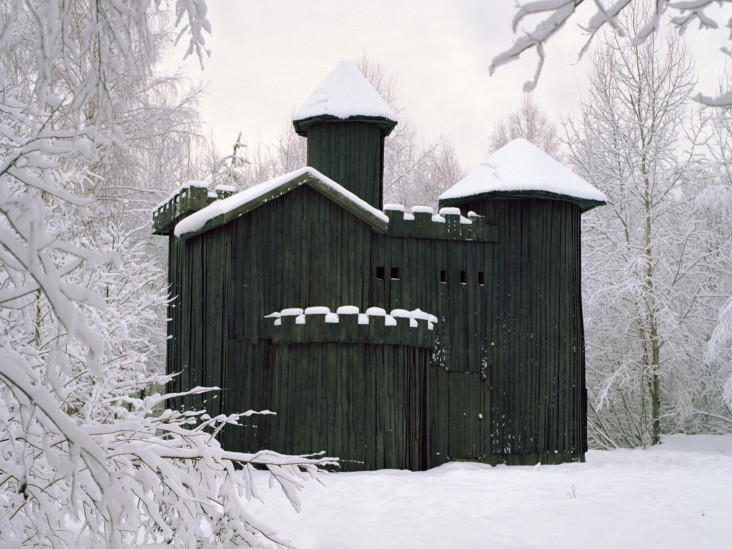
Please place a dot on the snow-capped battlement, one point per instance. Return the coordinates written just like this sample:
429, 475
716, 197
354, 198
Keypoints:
348, 325
189, 198
448, 224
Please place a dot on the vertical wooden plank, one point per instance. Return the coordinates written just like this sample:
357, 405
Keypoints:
524, 343
472, 308
555, 355
196, 365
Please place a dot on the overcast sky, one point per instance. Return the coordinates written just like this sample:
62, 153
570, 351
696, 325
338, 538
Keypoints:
267, 57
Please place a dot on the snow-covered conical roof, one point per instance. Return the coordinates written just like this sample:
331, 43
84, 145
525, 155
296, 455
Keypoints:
522, 169
345, 94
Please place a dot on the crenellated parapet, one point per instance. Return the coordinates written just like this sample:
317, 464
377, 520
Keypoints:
361, 385
448, 224
348, 325
189, 198
224, 191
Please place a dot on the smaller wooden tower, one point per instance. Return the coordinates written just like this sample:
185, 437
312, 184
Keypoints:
538, 395
345, 121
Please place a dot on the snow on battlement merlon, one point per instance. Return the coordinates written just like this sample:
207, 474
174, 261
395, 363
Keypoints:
447, 224
347, 325
185, 200
188, 198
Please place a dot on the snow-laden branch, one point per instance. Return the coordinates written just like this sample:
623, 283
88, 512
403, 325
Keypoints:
723, 100
554, 14
560, 11
152, 477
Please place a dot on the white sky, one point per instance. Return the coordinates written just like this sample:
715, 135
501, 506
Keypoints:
267, 57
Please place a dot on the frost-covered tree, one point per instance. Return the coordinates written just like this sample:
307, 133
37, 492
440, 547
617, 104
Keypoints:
122, 179
653, 263
415, 172
552, 16
716, 203
231, 169
531, 123
719, 358
85, 459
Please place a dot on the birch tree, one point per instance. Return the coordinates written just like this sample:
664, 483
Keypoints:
416, 172
531, 123
651, 267
716, 203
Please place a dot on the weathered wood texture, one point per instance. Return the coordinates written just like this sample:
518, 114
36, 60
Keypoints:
538, 396
504, 382
277, 256
351, 153
360, 396
188, 199
451, 279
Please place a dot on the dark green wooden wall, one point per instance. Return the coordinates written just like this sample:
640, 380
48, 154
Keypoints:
505, 381
538, 393
361, 391
351, 153
278, 256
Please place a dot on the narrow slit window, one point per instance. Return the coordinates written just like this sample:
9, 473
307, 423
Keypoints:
395, 273
463, 277
481, 278
443, 277
380, 273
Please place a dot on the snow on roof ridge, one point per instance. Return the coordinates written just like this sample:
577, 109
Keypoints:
521, 166
198, 220
344, 93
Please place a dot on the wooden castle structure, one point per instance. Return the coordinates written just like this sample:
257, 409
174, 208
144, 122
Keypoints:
390, 339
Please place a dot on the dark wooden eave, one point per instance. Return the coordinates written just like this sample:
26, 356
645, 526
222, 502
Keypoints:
585, 204
302, 126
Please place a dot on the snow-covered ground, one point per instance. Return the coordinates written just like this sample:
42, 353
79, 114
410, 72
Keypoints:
678, 494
